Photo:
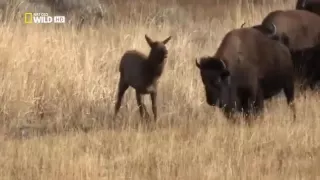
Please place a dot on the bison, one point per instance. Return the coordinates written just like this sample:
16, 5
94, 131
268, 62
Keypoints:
142, 72
247, 69
298, 29
307, 65
309, 5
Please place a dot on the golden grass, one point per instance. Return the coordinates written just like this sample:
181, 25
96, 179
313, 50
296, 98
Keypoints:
57, 98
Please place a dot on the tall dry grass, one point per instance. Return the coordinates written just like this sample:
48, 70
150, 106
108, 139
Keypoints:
58, 90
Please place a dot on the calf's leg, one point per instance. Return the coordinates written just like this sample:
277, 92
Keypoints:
122, 87
142, 107
153, 97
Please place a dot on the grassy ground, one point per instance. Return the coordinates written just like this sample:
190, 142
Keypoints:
58, 90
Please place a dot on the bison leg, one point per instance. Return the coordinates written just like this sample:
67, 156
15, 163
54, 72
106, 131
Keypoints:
250, 109
289, 93
253, 105
142, 107
312, 81
246, 103
153, 97
312, 84
259, 103
122, 87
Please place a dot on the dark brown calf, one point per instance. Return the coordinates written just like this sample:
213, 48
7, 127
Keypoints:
142, 73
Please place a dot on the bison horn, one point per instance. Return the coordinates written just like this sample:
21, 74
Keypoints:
243, 25
223, 64
197, 63
303, 3
274, 28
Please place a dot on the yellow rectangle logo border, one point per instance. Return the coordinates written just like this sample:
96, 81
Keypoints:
26, 19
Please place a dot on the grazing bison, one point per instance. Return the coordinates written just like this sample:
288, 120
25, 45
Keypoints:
142, 72
307, 65
299, 29
246, 69
309, 5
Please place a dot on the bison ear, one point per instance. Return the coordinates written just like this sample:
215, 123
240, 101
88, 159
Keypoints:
225, 73
149, 40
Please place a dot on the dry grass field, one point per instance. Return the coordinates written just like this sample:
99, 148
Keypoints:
58, 91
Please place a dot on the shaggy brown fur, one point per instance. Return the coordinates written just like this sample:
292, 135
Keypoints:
247, 68
307, 65
142, 72
299, 28
309, 5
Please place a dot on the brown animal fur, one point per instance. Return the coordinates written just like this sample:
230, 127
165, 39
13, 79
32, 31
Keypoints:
309, 5
247, 68
142, 72
307, 66
299, 28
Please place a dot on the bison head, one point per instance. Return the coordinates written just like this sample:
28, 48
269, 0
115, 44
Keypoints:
215, 77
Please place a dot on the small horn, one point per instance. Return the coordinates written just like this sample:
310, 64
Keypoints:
274, 27
243, 25
223, 64
303, 3
197, 63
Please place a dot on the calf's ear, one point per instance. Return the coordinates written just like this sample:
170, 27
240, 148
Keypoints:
149, 40
225, 73
166, 40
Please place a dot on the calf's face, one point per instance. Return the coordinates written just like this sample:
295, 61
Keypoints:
158, 49
214, 77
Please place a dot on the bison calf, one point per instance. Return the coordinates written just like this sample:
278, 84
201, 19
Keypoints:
247, 68
142, 72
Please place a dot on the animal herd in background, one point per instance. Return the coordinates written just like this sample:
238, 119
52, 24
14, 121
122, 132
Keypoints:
251, 64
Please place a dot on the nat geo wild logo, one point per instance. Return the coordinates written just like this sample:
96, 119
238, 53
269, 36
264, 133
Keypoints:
42, 18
